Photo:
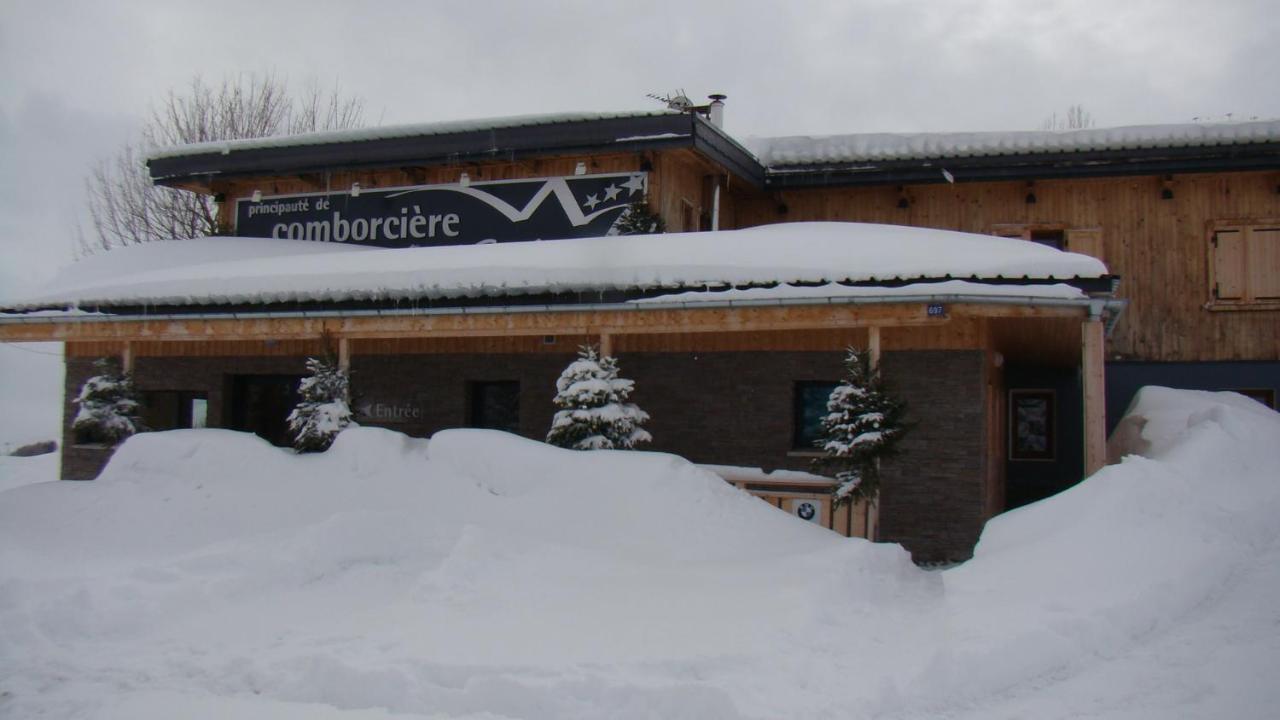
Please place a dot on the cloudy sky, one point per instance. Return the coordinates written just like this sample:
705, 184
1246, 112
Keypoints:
77, 79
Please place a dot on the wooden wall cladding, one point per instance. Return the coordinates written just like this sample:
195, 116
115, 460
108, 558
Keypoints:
199, 348
957, 334
553, 344
1158, 245
678, 180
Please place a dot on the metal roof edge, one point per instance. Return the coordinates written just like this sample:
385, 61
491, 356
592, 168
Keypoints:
1029, 166
630, 133
1096, 307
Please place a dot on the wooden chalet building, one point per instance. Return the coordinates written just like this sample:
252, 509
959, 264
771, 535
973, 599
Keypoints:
1012, 356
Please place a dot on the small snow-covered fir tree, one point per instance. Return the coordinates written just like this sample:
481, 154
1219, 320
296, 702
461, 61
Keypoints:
638, 219
324, 410
863, 425
594, 413
107, 406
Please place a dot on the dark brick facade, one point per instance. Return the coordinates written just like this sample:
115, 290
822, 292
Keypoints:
79, 462
732, 408
933, 501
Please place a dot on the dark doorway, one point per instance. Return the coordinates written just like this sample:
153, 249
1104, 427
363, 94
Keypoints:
261, 404
496, 405
174, 409
1044, 439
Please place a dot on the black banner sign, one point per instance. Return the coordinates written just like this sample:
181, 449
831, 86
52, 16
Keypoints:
457, 214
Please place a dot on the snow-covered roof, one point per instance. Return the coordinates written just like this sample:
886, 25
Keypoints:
222, 270
871, 147
388, 132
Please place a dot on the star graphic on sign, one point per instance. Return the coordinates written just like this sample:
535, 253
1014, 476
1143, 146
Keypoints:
592, 201
611, 192
635, 184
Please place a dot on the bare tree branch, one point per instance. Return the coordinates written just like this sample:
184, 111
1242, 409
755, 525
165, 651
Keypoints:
128, 209
1076, 118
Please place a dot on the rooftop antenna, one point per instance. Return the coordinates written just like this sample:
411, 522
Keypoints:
677, 100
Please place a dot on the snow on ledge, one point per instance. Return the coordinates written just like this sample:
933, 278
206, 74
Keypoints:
870, 147
940, 290
220, 270
386, 132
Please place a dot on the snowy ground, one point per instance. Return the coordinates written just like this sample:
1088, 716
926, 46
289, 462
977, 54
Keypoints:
208, 575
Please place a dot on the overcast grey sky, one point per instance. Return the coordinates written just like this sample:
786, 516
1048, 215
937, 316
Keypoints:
77, 78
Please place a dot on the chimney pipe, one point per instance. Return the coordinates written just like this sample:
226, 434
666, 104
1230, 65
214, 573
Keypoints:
716, 110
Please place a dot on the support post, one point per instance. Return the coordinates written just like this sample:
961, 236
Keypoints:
1093, 380
606, 345
126, 357
715, 205
344, 354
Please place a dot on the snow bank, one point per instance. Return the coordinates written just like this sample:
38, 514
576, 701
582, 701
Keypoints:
1133, 554
480, 575
263, 270
19, 471
651, 507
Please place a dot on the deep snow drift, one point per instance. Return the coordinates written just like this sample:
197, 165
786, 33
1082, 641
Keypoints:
207, 574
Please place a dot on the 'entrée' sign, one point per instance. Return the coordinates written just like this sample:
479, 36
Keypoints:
457, 214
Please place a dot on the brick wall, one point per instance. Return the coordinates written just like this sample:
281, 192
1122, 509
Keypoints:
732, 408
933, 496
79, 462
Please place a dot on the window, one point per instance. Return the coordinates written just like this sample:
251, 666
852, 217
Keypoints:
810, 408
1056, 239
1244, 264
496, 405
1031, 425
174, 409
1086, 241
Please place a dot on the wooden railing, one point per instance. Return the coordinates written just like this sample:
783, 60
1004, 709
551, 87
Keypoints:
804, 495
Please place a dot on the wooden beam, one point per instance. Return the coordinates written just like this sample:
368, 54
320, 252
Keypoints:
479, 324
606, 345
1094, 380
127, 357
344, 354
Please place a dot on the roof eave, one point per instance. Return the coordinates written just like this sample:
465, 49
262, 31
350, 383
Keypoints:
576, 137
1031, 166
1093, 287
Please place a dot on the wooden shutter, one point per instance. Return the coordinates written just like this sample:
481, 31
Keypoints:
1228, 265
1264, 263
1086, 242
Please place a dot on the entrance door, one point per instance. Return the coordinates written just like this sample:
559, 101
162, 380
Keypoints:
1044, 422
261, 404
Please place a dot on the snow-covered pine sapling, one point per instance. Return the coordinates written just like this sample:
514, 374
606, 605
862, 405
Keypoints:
324, 410
107, 406
863, 425
638, 219
594, 413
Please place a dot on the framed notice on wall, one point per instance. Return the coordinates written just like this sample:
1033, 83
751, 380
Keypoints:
1031, 425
